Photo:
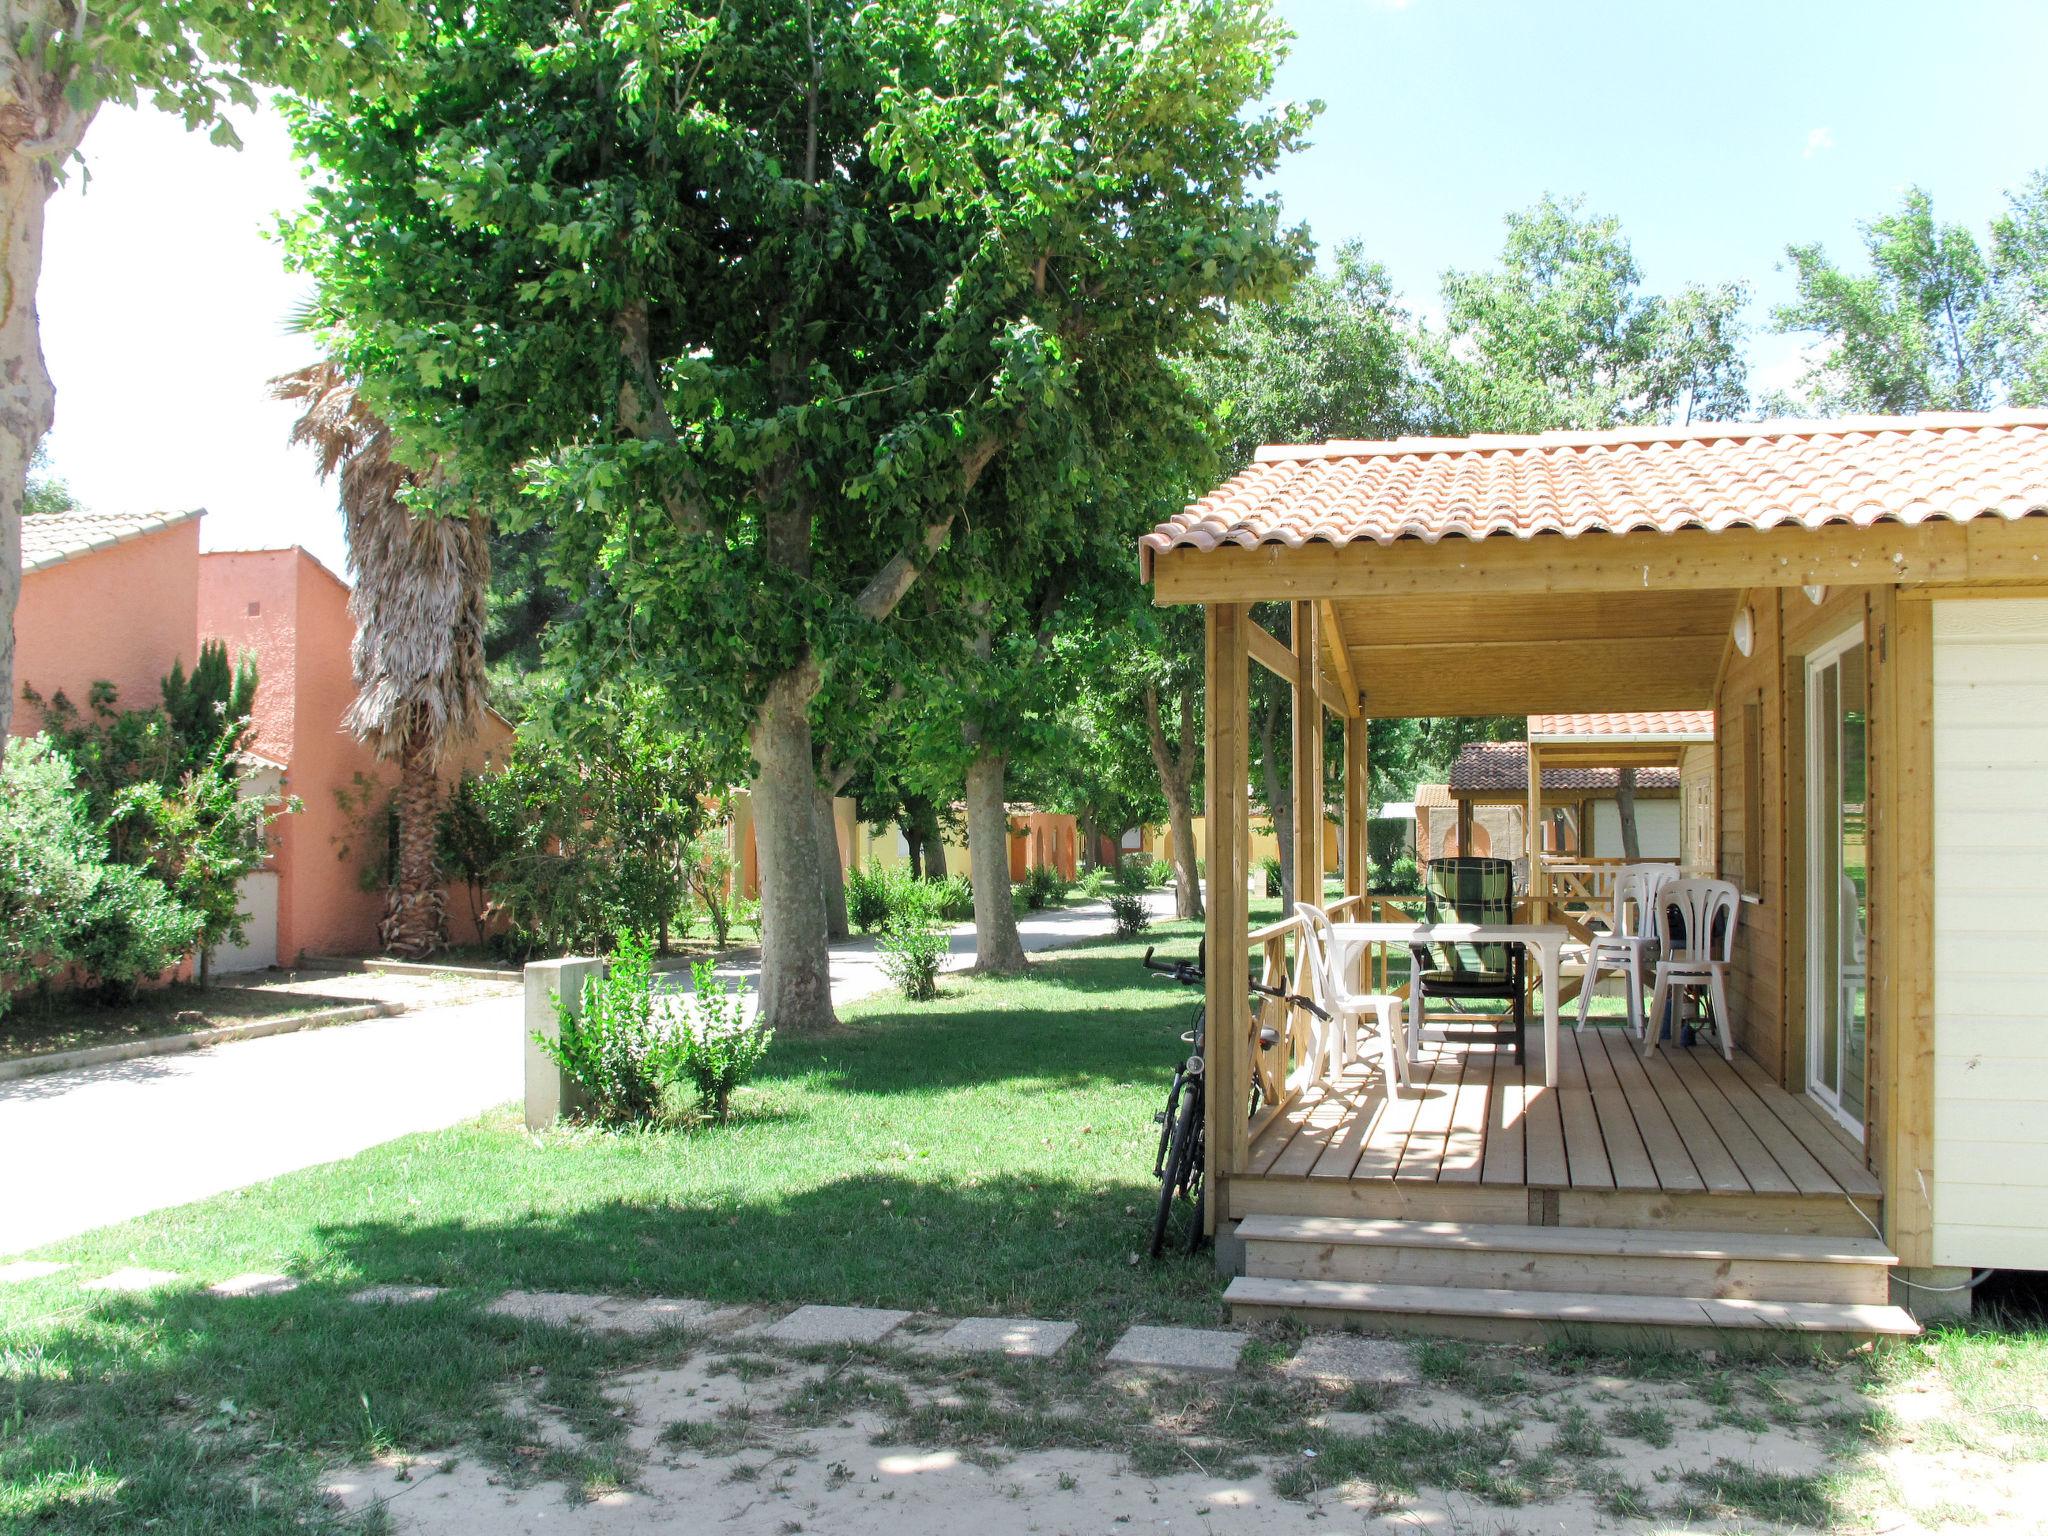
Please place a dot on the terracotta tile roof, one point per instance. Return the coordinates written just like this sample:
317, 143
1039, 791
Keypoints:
1433, 797
50, 538
1501, 767
1663, 723
1727, 475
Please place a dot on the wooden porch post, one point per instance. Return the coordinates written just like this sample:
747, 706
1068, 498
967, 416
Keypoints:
1227, 808
1357, 805
1308, 755
1464, 828
1532, 827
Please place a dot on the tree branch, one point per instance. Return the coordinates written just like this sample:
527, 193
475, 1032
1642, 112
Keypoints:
643, 414
878, 599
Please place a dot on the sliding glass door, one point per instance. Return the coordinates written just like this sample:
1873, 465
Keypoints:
1837, 877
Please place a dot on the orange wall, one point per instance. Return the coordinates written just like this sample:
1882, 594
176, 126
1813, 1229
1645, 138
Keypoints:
301, 633
124, 613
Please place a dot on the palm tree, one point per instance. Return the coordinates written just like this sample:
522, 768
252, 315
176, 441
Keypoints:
418, 605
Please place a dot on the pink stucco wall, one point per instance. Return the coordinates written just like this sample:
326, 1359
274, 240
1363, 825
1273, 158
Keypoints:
123, 613
301, 633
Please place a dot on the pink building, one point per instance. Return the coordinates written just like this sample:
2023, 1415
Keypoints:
122, 598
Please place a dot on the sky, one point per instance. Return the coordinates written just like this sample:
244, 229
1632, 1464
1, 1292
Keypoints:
1715, 133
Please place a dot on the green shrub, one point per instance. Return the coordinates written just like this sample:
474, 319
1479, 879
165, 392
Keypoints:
867, 897
1387, 838
50, 858
1129, 909
1132, 873
1403, 878
953, 898
132, 929
1271, 865
1094, 882
625, 1048
913, 945
1044, 886
1160, 872
724, 1047
714, 881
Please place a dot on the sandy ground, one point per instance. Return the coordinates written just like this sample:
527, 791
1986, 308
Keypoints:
761, 1469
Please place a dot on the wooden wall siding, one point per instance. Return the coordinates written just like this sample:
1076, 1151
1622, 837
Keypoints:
1755, 985
1697, 834
1901, 1132
1990, 1039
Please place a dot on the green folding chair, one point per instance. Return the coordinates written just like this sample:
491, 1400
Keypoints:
1466, 890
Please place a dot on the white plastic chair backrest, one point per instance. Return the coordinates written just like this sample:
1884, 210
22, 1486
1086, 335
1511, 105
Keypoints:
1635, 899
1705, 914
1318, 943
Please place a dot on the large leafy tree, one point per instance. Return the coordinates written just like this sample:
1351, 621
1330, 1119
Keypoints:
418, 599
60, 62
1937, 322
744, 301
1563, 335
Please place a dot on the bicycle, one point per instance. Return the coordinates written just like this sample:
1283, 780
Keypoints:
1181, 1160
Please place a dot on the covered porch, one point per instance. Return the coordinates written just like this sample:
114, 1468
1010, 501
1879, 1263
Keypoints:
1567, 575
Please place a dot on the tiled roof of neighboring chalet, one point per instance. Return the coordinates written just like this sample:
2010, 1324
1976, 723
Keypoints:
1501, 767
1433, 797
1856, 470
1667, 725
50, 538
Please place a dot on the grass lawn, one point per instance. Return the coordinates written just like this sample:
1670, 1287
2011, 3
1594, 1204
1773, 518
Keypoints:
986, 1153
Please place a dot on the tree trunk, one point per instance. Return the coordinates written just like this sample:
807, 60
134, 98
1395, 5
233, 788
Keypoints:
913, 846
32, 108
997, 947
1625, 803
415, 920
835, 872
796, 975
1176, 781
1279, 796
934, 849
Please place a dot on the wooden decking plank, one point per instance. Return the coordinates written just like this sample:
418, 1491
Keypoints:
1506, 1123
1332, 1110
1627, 1157
1543, 1129
1465, 1147
1585, 1152
1716, 1165
1273, 1140
1754, 1159
1369, 1102
1423, 1157
1804, 1121
1807, 1175
1667, 1149
1380, 1156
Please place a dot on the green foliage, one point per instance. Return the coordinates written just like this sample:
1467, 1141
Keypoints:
1402, 877
867, 897
1936, 323
876, 895
51, 859
724, 1046
1094, 882
624, 1047
1386, 838
1129, 909
953, 898
1159, 872
714, 876
1275, 885
913, 945
1562, 336
46, 491
1043, 886
132, 929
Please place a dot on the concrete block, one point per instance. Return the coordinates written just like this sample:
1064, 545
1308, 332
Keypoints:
131, 1279
1213, 1350
395, 1295
22, 1270
1019, 1337
1344, 1359
254, 1284
611, 1314
1935, 1294
549, 1096
835, 1325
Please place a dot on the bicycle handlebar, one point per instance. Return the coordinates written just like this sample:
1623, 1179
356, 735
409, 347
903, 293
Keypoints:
1189, 973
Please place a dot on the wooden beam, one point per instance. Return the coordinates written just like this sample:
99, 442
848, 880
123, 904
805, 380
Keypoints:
1265, 648
1227, 809
1340, 659
1905, 960
1357, 805
1986, 549
1308, 756
1532, 827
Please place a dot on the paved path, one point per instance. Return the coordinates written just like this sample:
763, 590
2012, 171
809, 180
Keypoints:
102, 1144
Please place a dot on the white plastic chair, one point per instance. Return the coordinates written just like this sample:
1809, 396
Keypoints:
1631, 934
1347, 1009
1695, 951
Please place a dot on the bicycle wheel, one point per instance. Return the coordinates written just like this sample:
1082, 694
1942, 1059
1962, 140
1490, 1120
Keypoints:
1183, 1166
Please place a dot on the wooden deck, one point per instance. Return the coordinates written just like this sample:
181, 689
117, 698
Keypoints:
1476, 1134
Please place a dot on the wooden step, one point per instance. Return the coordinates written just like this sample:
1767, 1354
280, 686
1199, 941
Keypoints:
1604, 1260
1535, 1316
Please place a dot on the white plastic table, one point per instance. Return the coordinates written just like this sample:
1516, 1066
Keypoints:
1545, 941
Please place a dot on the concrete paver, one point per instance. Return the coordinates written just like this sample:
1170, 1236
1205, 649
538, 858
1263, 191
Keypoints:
612, 1314
132, 1278
1346, 1359
255, 1283
396, 1295
1020, 1337
23, 1270
835, 1325
1180, 1349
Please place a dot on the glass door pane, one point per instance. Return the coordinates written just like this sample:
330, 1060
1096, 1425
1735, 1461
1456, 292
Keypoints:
1854, 921
1838, 883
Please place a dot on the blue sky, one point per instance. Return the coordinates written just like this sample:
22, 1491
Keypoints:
1716, 133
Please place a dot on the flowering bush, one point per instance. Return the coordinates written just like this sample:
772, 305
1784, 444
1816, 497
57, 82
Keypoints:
625, 1047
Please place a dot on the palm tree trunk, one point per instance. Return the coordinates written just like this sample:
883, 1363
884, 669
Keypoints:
416, 921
